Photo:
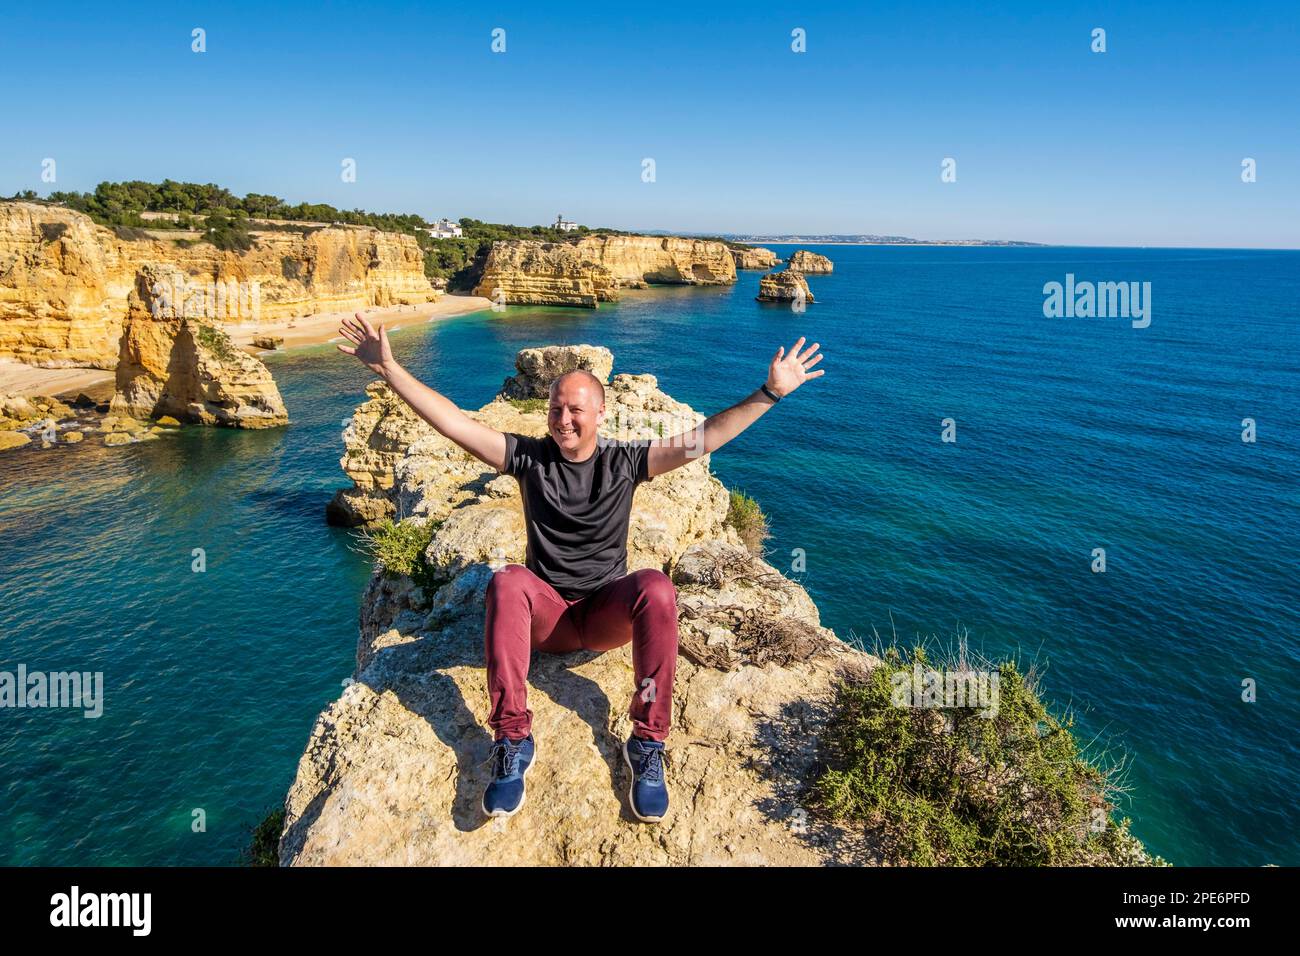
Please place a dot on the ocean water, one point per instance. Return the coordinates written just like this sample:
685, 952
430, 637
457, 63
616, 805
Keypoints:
1072, 434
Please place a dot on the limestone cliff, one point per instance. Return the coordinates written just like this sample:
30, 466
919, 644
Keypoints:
394, 769
65, 282
63, 287
805, 261
784, 286
753, 257
591, 270
523, 272
661, 260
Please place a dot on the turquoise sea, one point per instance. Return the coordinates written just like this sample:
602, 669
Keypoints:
1072, 434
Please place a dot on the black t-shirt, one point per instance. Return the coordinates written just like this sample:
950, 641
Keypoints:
577, 513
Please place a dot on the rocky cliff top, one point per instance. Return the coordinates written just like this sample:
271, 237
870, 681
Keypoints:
394, 769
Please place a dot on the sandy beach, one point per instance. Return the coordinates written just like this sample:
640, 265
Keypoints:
324, 326
19, 378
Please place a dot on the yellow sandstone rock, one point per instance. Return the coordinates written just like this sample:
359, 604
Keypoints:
755, 258
191, 371
784, 286
394, 769
805, 261
65, 282
591, 270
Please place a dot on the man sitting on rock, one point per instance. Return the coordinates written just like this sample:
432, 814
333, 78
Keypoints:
574, 592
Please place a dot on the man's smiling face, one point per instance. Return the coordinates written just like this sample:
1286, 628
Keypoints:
576, 412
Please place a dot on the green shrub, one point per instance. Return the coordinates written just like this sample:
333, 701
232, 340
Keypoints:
227, 234
949, 787
264, 850
215, 341
529, 405
398, 548
748, 519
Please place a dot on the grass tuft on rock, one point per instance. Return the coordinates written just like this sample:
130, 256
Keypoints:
530, 405
748, 519
945, 786
215, 341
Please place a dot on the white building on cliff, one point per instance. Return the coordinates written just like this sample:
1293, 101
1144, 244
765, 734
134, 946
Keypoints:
565, 225
445, 229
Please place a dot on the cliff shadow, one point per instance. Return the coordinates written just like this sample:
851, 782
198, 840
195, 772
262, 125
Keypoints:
791, 741
553, 675
416, 674
412, 673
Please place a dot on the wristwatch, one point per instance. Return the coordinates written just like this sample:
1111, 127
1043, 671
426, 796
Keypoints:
770, 394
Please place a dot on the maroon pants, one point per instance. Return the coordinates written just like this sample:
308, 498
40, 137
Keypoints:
524, 613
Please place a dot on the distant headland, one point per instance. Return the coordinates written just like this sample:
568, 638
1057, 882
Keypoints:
865, 239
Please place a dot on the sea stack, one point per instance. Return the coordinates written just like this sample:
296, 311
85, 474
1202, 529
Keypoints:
805, 261
784, 286
186, 367
752, 257
394, 769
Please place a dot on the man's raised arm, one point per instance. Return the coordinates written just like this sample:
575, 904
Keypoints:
371, 347
786, 372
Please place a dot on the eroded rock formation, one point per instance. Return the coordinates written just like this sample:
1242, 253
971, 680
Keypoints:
65, 282
805, 261
188, 369
753, 257
784, 286
591, 270
536, 369
395, 767
523, 272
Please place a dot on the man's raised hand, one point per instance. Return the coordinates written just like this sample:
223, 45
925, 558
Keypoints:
369, 345
789, 370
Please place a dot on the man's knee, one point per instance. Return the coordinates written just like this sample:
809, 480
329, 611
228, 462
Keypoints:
657, 587
508, 582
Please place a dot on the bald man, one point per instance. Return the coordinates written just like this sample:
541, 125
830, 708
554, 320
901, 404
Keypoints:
573, 591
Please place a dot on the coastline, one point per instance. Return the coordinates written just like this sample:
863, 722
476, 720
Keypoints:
19, 378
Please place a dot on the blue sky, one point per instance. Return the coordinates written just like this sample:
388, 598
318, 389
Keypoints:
1140, 145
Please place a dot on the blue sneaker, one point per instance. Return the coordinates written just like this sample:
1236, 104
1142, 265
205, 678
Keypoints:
648, 792
510, 762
